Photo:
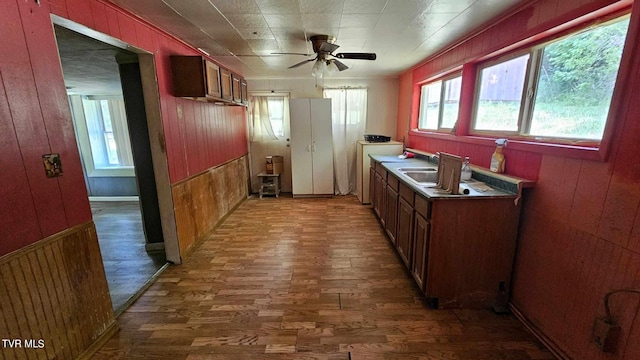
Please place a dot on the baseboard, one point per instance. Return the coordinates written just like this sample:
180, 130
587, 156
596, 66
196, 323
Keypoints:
140, 291
544, 339
114, 198
154, 247
99, 342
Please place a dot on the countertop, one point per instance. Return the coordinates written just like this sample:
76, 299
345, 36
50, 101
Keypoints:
428, 190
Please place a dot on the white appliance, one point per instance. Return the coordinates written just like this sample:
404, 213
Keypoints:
311, 147
363, 150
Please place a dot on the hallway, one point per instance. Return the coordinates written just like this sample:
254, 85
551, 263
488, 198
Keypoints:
304, 279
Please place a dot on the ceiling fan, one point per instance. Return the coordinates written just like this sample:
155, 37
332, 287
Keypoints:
323, 47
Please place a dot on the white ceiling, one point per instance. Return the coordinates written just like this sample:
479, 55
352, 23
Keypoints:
242, 34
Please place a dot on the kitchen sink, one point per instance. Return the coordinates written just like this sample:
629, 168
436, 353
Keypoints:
429, 176
418, 169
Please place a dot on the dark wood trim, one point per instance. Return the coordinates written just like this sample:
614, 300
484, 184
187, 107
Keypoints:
43, 242
100, 341
544, 339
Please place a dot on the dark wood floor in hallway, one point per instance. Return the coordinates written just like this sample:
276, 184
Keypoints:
304, 279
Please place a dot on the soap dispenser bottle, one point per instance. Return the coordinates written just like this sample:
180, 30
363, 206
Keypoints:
465, 173
497, 159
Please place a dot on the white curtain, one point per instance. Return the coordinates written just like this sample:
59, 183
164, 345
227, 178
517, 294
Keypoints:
262, 129
349, 118
121, 132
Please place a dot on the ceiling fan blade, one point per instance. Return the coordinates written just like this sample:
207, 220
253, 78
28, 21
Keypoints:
328, 47
357, 56
341, 66
300, 63
291, 53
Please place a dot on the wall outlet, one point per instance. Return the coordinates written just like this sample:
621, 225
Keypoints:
606, 334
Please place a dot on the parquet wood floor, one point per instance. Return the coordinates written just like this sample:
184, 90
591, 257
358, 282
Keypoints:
286, 278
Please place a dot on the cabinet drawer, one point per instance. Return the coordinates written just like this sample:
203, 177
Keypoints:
406, 193
423, 207
392, 182
382, 171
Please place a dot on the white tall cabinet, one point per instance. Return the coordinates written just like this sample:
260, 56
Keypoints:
311, 147
363, 150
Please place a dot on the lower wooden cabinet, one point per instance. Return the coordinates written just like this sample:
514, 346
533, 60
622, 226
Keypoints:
459, 250
372, 186
404, 233
391, 214
378, 194
420, 250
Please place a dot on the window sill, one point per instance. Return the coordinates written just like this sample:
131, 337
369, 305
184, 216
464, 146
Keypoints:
127, 171
565, 150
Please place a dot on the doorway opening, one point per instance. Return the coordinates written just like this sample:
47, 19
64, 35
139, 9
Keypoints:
106, 98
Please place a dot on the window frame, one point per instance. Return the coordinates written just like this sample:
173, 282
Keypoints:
442, 80
530, 87
558, 28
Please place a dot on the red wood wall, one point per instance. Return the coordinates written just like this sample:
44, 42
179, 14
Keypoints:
580, 229
35, 117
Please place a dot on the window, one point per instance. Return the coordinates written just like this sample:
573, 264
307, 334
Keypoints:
439, 104
106, 125
561, 90
276, 115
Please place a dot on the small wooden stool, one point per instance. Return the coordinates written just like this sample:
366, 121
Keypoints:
270, 184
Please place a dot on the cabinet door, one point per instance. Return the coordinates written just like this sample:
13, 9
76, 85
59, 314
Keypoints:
383, 201
189, 76
301, 159
321, 146
243, 92
372, 186
420, 250
226, 85
404, 240
391, 214
236, 89
377, 188
213, 79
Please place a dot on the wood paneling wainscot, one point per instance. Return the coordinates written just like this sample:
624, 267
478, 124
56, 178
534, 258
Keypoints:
202, 201
55, 293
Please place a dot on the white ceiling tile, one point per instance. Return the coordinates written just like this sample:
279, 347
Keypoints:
256, 33
364, 6
350, 45
292, 34
278, 6
236, 6
389, 25
409, 6
353, 33
321, 20
359, 20
247, 20
431, 20
442, 6
321, 7
283, 20
258, 44
322, 31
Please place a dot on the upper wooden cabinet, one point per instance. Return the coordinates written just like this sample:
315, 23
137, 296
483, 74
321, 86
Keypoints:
198, 78
243, 92
227, 86
236, 89
213, 79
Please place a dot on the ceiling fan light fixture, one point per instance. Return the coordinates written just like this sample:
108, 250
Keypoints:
319, 68
332, 68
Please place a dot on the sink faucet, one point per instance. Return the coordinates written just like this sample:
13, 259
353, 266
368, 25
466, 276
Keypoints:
435, 158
